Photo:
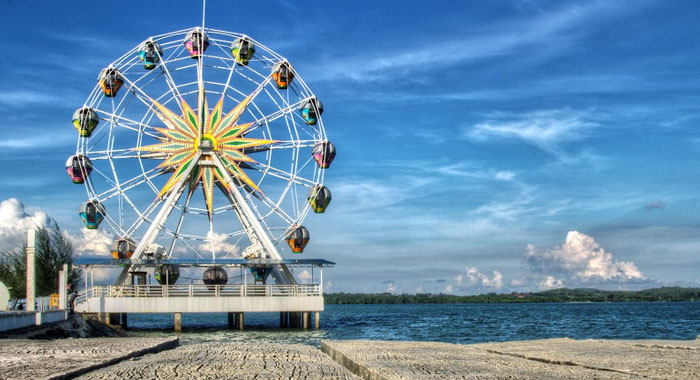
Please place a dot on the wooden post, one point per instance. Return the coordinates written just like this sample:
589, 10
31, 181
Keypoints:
178, 321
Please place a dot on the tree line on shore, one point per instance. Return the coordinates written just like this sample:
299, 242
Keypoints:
53, 250
664, 294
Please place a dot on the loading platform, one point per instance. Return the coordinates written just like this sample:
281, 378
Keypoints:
295, 302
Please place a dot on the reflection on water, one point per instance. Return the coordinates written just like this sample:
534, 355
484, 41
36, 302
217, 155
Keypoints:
463, 323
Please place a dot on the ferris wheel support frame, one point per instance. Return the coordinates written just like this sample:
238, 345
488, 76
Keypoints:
259, 239
158, 222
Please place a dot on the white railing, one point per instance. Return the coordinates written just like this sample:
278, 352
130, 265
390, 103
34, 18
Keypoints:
238, 290
40, 304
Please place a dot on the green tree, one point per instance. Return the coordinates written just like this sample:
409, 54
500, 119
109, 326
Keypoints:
52, 251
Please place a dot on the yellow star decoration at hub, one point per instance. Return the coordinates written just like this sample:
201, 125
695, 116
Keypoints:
214, 135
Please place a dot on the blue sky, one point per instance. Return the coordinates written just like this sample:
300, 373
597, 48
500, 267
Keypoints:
466, 130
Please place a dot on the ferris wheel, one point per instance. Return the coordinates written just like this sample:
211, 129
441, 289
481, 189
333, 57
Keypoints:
201, 143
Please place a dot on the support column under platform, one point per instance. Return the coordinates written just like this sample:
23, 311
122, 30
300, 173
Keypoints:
317, 320
305, 320
177, 321
235, 321
116, 319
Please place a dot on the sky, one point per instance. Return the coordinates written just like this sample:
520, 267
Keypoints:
483, 146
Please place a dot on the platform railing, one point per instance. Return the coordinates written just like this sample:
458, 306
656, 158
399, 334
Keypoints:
199, 290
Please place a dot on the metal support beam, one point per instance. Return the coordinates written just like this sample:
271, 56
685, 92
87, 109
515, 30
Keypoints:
159, 221
251, 224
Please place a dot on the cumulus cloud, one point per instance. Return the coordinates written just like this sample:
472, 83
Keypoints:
15, 220
91, 242
303, 275
472, 276
550, 282
580, 259
219, 244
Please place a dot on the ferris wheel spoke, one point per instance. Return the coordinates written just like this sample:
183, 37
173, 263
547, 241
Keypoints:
184, 238
276, 115
144, 216
156, 156
104, 176
168, 78
274, 207
130, 184
169, 252
279, 173
282, 144
124, 122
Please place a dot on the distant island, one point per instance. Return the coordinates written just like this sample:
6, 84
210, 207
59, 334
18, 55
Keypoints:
665, 294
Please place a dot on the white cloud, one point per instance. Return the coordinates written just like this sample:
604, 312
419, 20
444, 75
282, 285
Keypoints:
545, 129
91, 242
304, 275
15, 220
550, 282
467, 170
449, 289
23, 98
218, 243
473, 277
549, 31
580, 258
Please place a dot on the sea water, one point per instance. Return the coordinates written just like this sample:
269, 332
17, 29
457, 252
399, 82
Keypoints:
452, 323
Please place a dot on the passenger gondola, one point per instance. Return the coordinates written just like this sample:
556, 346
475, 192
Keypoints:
282, 75
196, 43
110, 81
85, 120
242, 51
323, 153
319, 198
150, 54
298, 239
78, 168
92, 213
311, 110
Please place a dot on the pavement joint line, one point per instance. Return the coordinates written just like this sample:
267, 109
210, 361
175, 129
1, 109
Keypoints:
566, 363
358, 369
72, 374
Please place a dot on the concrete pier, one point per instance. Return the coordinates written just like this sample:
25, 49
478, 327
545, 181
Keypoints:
539, 359
68, 358
254, 359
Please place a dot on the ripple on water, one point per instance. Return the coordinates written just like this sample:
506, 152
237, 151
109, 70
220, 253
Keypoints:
460, 323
